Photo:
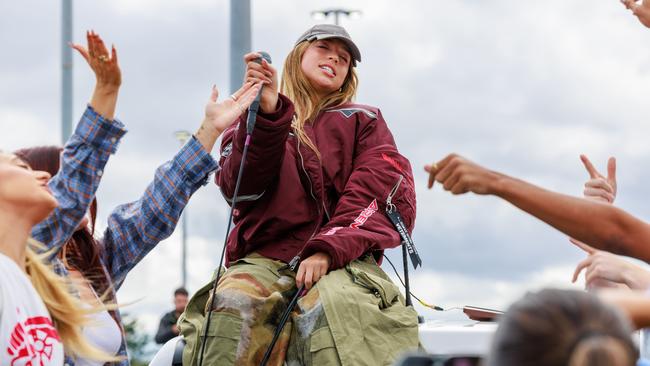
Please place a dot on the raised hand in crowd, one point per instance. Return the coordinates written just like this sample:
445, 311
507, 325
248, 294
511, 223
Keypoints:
459, 175
266, 74
640, 9
600, 187
107, 73
220, 115
604, 269
602, 226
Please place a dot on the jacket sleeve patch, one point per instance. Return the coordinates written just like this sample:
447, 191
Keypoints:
365, 215
333, 230
392, 162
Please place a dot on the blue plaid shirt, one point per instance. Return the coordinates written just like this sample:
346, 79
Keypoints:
134, 228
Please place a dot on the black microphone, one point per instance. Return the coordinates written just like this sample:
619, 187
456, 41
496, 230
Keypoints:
255, 106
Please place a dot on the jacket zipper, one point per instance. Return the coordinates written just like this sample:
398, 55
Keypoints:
296, 260
311, 190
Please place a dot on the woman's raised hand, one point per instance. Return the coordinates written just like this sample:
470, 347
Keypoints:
107, 74
220, 115
603, 269
265, 74
640, 10
104, 64
600, 187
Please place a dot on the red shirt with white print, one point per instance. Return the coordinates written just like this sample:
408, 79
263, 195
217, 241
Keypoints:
27, 334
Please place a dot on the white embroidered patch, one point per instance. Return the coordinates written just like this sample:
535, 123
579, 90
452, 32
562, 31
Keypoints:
226, 150
349, 112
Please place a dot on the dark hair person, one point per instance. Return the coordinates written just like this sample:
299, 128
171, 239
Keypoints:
562, 328
98, 266
320, 175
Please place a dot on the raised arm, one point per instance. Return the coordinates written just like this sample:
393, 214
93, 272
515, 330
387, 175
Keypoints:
135, 228
85, 154
601, 225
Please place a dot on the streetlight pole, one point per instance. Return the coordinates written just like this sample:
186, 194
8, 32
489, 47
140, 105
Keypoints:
336, 12
182, 137
66, 70
240, 40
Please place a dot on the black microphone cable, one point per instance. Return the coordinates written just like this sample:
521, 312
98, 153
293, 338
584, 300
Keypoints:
282, 323
250, 126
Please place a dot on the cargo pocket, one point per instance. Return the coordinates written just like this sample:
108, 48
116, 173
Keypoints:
222, 339
322, 348
385, 290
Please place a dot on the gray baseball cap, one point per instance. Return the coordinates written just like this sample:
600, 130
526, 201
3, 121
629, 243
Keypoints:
325, 31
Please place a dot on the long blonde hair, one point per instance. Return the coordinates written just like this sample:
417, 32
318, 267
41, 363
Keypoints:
307, 103
66, 310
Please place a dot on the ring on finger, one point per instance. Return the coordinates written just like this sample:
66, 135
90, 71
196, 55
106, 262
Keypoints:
103, 58
233, 97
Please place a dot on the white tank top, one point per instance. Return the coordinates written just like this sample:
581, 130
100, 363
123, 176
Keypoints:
27, 335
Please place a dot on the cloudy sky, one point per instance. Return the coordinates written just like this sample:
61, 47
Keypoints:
521, 87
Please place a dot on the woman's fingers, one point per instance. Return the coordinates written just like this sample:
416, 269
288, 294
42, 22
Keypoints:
431, 169
257, 77
593, 173
599, 194
113, 55
300, 276
247, 98
611, 170
243, 90
269, 68
251, 56
214, 95
101, 47
90, 39
309, 277
259, 70
599, 183
586, 248
582, 265
82, 50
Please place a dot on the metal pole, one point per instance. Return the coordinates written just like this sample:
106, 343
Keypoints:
336, 17
184, 250
240, 40
66, 75
182, 137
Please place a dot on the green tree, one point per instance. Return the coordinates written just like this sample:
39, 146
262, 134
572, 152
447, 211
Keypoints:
136, 341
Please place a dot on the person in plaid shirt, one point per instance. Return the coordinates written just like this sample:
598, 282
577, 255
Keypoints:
134, 228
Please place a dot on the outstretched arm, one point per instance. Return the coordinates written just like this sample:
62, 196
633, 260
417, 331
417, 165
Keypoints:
87, 151
135, 228
601, 225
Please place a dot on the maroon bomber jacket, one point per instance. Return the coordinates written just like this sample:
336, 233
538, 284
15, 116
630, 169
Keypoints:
291, 203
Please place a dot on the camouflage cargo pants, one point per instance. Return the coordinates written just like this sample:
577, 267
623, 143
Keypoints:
353, 316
